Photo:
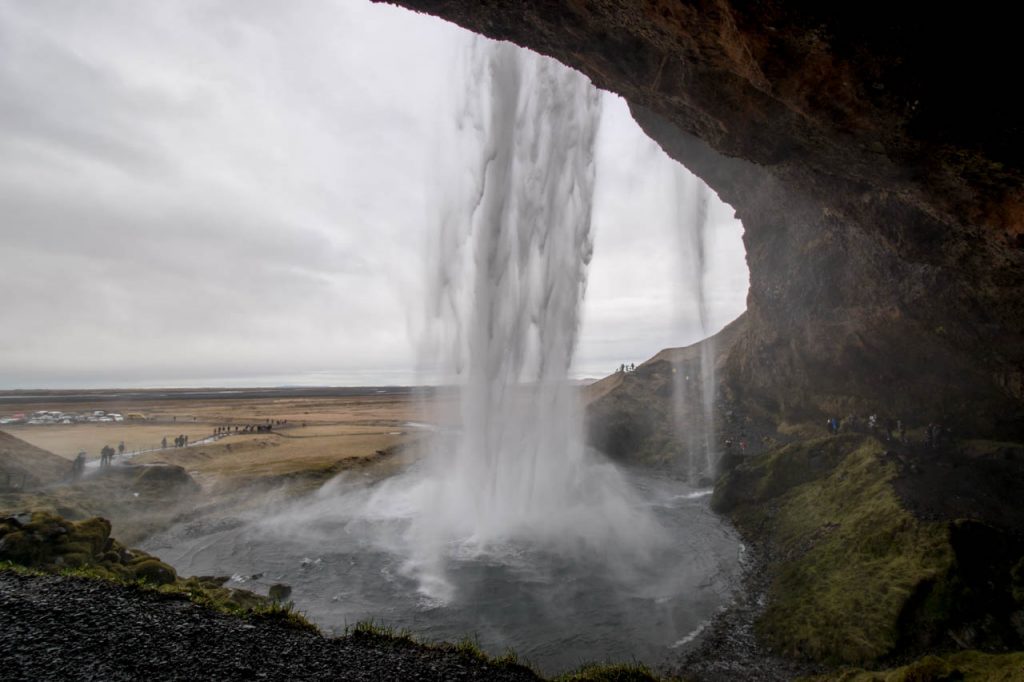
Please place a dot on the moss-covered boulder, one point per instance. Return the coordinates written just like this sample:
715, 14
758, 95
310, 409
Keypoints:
42, 541
47, 542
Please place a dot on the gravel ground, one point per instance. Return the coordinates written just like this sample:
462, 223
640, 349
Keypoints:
58, 628
729, 650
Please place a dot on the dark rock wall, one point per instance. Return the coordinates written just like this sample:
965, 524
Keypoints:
875, 157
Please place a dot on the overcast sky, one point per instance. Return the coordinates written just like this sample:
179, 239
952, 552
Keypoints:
235, 192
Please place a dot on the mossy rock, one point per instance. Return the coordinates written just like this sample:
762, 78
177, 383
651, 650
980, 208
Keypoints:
165, 477
73, 560
21, 547
279, 592
154, 571
43, 541
95, 531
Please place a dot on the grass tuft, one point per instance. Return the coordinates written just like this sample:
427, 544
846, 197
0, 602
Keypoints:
616, 672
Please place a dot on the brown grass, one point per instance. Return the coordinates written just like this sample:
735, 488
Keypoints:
323, 437
321, 433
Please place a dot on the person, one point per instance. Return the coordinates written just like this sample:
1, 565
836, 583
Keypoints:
120, 448
163, 443
901, 428
78, 466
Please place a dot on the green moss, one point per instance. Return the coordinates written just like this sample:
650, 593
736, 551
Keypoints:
369, 628
48, 543
847, 558
468, 647
763, 478
154, 571
20, 547
969, 666
851, 558
619, 672
95, 532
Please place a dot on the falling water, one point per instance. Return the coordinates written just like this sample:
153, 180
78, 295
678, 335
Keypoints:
510, 279
694, 385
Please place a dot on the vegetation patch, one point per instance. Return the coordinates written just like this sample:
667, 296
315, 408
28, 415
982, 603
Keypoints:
618, 672
467, 648
779, 471
847, 559
42, 542
968, 666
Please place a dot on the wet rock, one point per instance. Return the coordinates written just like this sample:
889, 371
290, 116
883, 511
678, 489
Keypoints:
280, 592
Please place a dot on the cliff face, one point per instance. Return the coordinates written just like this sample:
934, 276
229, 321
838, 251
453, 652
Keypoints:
877, 171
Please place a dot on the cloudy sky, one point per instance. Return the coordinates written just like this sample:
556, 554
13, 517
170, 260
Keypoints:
236, 192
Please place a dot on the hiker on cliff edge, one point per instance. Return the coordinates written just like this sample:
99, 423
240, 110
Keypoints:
78, 466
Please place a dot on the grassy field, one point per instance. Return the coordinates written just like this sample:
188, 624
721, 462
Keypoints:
313, 438
311, 434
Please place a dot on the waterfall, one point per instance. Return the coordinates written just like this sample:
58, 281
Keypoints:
505, 299
694, 385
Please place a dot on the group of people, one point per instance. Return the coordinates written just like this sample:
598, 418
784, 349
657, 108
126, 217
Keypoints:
627, 368
266, 427
179, 441
728, 443
107, 455
891, 429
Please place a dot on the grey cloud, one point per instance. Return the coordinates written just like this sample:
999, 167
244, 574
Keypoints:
244, 191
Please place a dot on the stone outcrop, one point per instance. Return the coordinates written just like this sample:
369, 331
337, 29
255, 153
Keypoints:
876, 164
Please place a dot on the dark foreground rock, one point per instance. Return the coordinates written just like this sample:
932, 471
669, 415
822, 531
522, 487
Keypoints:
730, 649
79, 629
